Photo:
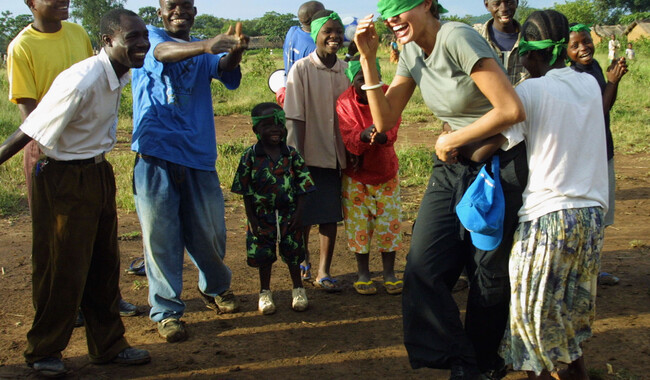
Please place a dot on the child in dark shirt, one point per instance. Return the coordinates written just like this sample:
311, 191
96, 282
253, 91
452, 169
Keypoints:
581, 54
273, 178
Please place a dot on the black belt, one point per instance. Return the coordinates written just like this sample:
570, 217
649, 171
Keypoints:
93, 160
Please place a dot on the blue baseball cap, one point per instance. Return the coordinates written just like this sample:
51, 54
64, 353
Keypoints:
481, 210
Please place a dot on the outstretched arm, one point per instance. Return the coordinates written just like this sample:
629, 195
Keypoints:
482, 150
12, 145
171, 51
232, 60
507, 110
385, 108
615, 72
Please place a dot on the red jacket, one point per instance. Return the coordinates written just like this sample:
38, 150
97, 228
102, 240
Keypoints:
379, 161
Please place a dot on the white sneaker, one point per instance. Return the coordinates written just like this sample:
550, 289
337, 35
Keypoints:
265, 304
300, 302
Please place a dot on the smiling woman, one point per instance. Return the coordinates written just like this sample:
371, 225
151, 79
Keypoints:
463, 85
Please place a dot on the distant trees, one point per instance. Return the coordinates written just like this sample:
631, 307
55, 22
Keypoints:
582, 11
90, 12
275, 25
150, 16
10, 26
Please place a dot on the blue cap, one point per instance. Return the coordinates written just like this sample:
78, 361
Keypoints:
482, 208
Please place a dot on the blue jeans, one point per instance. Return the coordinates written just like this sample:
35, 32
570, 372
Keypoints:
179, 208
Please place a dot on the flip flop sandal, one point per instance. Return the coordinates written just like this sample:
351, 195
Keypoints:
137, 267
394, 287
328, 284
367, 288
305, 272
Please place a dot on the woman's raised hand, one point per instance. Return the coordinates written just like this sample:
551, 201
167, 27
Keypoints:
366, 37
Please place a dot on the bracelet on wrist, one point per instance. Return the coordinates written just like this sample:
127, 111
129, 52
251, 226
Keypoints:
366, 87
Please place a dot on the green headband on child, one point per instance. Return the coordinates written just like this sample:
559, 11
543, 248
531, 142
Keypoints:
355, 66
526, 46
580, 28
392, 8
317, 24
278, 117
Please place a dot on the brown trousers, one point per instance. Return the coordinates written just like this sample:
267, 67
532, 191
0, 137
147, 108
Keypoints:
75, 260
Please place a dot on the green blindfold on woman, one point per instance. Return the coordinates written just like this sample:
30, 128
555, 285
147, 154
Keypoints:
317, 24
392, 8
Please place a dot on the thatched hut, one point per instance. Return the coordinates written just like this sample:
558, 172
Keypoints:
601, 33
638, 30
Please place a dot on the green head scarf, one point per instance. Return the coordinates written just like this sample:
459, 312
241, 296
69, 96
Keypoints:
277, 115
526, 46
392, 8
355, 66
580, 28
317, 24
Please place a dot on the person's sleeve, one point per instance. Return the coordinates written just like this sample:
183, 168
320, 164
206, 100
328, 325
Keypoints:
294, 100
350, 124
21, 80
242, 180
402, 68
303, 182
151, 64
466, 47
517, 133
391, 134
286, 52
231, 79
53, 113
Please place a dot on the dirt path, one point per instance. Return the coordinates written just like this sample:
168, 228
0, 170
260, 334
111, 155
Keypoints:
341, 335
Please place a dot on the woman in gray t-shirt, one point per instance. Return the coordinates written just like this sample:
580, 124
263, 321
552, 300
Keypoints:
463, 84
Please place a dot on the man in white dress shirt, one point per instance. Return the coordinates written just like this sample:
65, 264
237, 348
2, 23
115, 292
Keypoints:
75, 254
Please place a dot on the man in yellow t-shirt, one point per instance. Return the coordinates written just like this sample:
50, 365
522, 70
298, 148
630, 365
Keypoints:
35, 57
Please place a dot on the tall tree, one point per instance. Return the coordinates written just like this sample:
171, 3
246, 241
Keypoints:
275, 25
150, 16
581, 11
90, 12
614, 9
207, 26
523, 11
628, 6
10, 26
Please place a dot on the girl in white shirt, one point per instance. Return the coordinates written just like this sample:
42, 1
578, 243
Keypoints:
555, 258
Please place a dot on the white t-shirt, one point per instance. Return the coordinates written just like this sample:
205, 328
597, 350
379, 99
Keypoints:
565, 138
77, 117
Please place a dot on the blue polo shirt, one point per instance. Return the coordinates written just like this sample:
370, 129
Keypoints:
297, 45
173, 117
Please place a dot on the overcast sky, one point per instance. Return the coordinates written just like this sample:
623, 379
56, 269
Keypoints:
249, 9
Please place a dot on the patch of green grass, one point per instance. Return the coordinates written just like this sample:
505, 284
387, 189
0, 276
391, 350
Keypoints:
140, 284
415, 165
130, 236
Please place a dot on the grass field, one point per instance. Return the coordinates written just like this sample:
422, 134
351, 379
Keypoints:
630, 126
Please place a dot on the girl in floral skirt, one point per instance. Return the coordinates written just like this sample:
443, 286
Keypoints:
555, 258
371, 197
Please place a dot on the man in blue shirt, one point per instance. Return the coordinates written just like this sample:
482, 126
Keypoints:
176, 188
298, 42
